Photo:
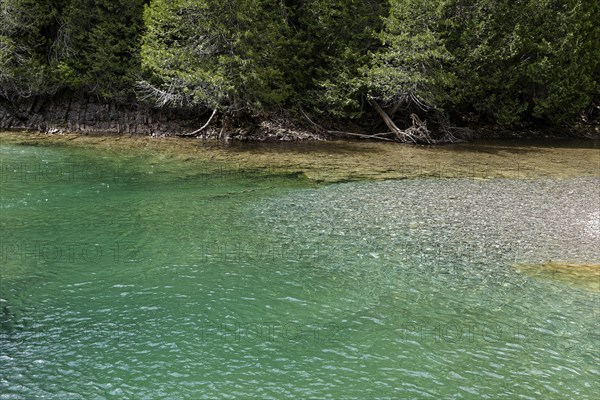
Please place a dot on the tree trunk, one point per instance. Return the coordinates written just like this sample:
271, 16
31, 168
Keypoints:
401, 135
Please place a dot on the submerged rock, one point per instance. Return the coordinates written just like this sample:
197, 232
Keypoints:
582, 275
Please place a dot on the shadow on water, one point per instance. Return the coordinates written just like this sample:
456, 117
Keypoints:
520, 146
523, 146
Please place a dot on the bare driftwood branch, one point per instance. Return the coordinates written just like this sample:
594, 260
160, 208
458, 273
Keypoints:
401, 135
363, 136
203, 127
417, 133
377, 136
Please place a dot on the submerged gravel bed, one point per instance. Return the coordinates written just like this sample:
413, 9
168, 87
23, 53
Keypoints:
490, 221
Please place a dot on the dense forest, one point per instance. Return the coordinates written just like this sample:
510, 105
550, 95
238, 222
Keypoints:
411, 69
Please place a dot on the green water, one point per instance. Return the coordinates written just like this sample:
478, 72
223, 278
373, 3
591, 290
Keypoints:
124, 277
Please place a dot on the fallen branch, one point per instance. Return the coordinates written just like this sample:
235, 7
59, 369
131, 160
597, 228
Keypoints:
360, 135
402, 136
203, 127
417, 133
342, 133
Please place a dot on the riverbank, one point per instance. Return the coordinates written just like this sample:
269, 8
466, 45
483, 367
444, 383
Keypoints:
335, 161
88, 115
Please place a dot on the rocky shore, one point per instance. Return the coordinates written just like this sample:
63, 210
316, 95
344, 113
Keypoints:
85, 114
78, 113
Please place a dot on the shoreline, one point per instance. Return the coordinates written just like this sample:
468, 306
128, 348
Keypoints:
345, 160
85, 115
272, 131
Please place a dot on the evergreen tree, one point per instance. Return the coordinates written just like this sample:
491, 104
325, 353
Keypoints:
97, 47
506, 62
526, 61
337, 38
412, 66
90, 46
226, 55
27, 30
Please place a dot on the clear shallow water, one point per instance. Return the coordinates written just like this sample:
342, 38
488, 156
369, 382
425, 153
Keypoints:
123, 277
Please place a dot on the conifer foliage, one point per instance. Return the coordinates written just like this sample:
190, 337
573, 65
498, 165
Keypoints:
509, 63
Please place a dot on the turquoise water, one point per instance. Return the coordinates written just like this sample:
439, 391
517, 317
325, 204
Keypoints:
125, 277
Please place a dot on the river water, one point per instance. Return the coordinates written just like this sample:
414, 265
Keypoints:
129, 276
